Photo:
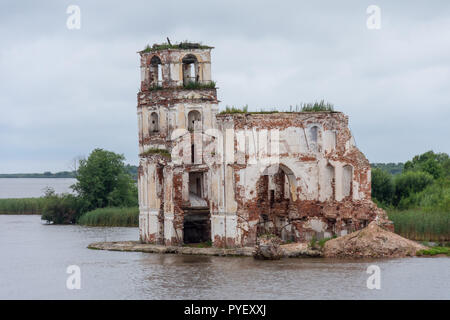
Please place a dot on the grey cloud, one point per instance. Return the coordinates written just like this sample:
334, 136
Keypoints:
66, 92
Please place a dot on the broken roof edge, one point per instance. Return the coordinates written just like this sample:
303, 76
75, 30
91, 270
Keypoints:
178, 46
225, 113
269, 113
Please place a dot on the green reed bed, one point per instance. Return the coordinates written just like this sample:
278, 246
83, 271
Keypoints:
111, 217
422, 225
22, 205
435, 251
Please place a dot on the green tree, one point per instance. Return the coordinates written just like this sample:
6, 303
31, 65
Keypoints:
132, 170
382, 186
60, 208
410, 182
436, 164
102, 181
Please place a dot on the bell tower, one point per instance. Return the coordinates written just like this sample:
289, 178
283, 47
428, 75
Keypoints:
177, 98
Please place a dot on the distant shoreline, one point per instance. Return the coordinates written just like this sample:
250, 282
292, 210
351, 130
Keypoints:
38, 175
131, 169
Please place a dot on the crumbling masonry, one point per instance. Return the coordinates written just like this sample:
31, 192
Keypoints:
228, 178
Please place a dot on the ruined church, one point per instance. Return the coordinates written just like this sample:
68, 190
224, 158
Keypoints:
228, 178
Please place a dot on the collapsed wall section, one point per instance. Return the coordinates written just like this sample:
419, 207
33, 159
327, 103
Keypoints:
298, 175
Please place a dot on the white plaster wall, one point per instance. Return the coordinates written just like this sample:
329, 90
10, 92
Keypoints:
169, 230
231, 226
168, 191
347, 178
329, 140
217, 225
224, 225
231, 204
326, 176
316, 225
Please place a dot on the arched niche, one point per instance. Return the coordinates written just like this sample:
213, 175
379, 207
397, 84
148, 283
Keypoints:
154, 123
190, 69
194, 118
155, 71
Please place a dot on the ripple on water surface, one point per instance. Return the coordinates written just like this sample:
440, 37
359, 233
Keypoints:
34, 258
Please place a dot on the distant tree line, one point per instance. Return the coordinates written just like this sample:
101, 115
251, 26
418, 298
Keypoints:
131, 169
392, 168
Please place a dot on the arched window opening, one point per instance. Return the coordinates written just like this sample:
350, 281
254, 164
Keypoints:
154, 122
194, 120
347, 178
314, 138
190, 69
314, 134
155, 71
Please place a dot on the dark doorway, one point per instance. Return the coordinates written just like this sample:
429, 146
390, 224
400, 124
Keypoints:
197, 226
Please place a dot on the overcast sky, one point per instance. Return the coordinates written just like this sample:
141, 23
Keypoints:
65, 92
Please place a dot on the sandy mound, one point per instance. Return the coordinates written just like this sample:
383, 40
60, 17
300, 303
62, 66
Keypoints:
372, 241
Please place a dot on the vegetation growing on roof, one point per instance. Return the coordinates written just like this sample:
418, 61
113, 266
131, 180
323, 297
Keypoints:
155, 87
181, 45
200, 85
161, 152
230, 110
189, 86
317, 106
244, 109
320, 106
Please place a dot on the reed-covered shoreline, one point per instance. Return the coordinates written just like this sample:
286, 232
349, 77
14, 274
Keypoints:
421, 225
111, 217
22, 205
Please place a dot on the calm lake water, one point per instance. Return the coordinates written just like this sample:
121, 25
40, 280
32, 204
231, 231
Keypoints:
34, 258
32, 187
